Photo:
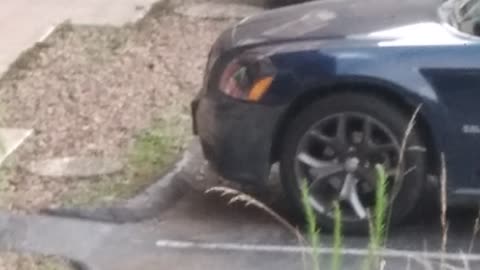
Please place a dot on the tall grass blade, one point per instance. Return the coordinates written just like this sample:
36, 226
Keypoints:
238, 196
312, 228
476, 229
378, 224
443, 216
381, 202
337, 238
403, 147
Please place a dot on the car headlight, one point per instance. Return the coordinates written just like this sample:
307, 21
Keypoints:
247, 78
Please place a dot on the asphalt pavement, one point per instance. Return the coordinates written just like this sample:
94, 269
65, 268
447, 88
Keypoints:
202, 231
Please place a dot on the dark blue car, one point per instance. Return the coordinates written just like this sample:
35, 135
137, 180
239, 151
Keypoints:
331, 89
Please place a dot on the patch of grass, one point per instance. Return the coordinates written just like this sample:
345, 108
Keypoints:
152, 151
101, 191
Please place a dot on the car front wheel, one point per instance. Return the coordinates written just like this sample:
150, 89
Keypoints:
334, 146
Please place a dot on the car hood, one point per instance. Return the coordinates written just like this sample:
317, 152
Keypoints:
331, 19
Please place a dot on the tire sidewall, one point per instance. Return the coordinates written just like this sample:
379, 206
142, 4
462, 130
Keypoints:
394, 119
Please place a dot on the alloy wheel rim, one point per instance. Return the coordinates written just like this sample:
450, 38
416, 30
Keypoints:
337, 158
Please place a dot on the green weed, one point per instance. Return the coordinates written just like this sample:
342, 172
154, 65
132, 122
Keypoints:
337, 238
152, 150
312, 227
381, 202
378, 224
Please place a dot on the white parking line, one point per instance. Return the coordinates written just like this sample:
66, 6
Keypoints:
386, 253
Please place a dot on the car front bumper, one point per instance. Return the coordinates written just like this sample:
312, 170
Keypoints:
236, 136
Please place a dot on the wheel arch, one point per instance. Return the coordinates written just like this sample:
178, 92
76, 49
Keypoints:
388, 92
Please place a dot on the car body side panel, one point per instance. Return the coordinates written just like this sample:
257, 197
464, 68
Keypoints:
407, 73
459, 93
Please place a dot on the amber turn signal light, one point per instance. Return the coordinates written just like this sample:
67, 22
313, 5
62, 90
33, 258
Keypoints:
260, 88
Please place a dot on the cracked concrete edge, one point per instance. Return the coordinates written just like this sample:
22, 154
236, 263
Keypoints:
27, 56
148, 204
24, 58
10, 140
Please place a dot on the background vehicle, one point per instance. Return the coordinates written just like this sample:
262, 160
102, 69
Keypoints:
276, 3
328, 90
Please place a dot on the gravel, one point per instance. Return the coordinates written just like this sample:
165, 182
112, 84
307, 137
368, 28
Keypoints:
88, 91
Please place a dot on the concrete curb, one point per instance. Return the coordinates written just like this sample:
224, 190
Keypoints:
190, 173
148, 204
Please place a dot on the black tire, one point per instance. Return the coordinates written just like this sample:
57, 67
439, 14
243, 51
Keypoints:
376, 108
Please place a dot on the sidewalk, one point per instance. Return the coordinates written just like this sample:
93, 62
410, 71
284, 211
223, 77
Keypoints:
25, 22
